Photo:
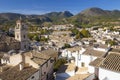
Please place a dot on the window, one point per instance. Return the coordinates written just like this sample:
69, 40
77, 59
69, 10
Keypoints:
51, 61
24, 46
83, 64
46, 64
17, 36
44, 72
79, 56
15, 46
24, 36
47, 76
18, 26
91, 58
0, 61
32, 77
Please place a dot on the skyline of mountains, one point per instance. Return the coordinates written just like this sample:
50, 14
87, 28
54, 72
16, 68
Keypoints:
86, 16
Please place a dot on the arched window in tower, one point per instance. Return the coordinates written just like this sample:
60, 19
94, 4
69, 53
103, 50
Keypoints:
24, 46
17, 36
24, 36
18, 26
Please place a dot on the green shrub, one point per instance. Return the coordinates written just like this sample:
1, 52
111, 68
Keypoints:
58, 63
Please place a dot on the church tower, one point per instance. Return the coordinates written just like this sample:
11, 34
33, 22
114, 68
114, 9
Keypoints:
21, 34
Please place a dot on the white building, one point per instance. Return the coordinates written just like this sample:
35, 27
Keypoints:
83, 56
27, 66
107, 68
88, 56
73, 54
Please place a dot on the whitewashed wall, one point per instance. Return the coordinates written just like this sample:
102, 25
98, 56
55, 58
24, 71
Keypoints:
15, 59
87, 59
108, 75
80, 58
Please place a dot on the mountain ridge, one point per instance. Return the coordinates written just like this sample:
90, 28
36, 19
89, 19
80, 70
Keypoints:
48, 17
91, 16
99, 12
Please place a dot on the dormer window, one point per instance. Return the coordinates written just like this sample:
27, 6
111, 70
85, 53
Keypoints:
44, 72
17, 36
46, 64
24, 36
79, 56
32, 77
24, 46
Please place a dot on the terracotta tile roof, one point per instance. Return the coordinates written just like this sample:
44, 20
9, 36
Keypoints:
49, 52
4, 67
88, 39
15, 74
61, 38
37, 57
95, 53
2, 54
97, 62
61, 32
115, 50
73, 49
112, 62
101, 46
81, 70
39, 61
7, 39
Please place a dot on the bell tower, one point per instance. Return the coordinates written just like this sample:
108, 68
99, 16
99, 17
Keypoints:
21, 34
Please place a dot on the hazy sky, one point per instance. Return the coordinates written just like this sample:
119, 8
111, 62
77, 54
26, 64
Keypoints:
45, 6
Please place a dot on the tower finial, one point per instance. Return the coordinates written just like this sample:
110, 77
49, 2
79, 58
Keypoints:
20, 18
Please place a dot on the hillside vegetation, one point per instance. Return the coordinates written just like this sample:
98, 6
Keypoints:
86, 18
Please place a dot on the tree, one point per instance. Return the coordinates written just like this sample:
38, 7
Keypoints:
36, 38
66, 46
30, 36
44, 39
85, 33
74, 31
58, 63
79, 36
111, 42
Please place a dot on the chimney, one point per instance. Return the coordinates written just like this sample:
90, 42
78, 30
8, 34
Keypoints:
21, 66
109, 45
31, 54
23, 58
1, 69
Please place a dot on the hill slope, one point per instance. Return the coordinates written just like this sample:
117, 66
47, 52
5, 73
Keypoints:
95, 16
